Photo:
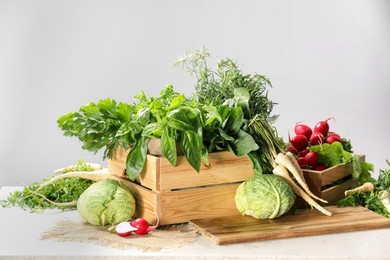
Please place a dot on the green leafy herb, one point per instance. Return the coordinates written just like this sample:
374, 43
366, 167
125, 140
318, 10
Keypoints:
64, 190
334, 154
172, 117
371, 199
215, 86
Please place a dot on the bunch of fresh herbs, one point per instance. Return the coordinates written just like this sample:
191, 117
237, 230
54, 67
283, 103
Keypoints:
64, 190
370, 200
215, 86
172, 117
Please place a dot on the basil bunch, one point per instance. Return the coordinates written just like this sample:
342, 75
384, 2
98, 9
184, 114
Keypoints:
199, 129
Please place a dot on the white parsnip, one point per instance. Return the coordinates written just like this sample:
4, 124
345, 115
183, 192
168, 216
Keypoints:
293, 167
365, 187
282, 171
384, 197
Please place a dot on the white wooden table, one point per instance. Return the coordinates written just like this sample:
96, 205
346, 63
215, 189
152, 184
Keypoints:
21, 232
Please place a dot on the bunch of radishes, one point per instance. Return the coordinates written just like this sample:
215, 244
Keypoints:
306, 137
139, 226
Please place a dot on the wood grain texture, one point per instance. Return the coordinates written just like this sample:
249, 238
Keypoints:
239, 229
159, 175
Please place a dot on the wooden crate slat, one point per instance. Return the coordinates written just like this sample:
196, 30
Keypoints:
224, 167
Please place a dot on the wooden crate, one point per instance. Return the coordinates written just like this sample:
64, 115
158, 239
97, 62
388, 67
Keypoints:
322, 183
179, 194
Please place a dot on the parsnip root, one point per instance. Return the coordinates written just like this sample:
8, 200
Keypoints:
365, 187
282, 171
289, 162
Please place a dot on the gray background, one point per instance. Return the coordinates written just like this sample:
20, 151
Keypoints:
324, 58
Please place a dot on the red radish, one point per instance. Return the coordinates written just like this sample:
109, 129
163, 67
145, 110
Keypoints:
124, 229
299, 142
302, 162
292, 149
142, 226
316, 138
301, 129
333, 133
322, 127
320, 167
311, 158
330, 139
303, 153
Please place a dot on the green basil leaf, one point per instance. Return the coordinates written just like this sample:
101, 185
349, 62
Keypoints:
185, 118
224, 112
177, 101
143, 116
191, 145
212, 115
224, 135
168, 144
152, 129
244, 144
234, 122
136, 159
255, 161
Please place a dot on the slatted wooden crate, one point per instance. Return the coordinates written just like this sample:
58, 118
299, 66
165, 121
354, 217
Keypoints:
331, 183
179, 194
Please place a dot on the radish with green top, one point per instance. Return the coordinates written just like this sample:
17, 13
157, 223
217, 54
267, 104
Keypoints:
316, 138
299, 142
301, 129
322, 127
311, 158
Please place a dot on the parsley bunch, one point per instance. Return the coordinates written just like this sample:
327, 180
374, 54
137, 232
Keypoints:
370, 200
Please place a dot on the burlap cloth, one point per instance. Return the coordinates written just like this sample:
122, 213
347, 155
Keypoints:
172, 236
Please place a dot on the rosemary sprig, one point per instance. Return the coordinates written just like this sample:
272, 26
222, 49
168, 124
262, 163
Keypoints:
215, 86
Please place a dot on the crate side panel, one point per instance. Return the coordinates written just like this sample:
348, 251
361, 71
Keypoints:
333, 194
209, 202
224, 167
150, 174
147, 202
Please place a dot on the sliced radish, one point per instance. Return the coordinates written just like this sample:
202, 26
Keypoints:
143, 226
124, 229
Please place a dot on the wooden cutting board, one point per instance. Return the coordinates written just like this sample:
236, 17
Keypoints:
238, 229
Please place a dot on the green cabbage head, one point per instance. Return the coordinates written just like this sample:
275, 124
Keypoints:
264, 196
106, 202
